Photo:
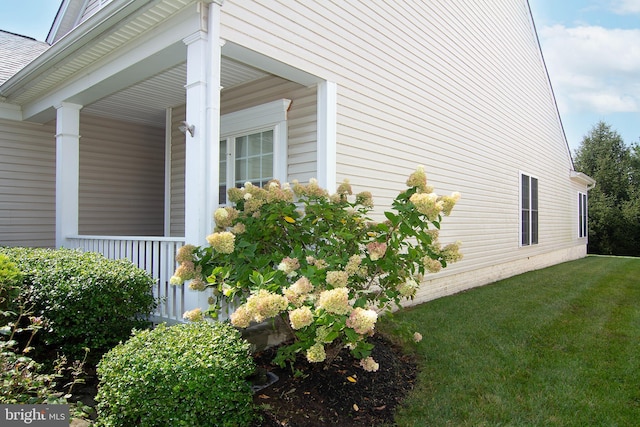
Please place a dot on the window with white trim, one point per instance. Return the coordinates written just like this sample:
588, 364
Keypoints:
582, 215
253, 146
528, 210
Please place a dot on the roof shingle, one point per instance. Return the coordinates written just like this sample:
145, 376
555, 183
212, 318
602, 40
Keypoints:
16, 52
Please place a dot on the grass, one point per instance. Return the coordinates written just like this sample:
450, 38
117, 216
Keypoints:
553, 347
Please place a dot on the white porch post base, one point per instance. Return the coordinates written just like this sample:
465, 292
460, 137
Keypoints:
67, 171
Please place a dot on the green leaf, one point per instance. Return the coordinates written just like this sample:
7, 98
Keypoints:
392, 217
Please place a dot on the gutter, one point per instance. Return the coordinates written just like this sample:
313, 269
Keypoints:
91, 29
583, 179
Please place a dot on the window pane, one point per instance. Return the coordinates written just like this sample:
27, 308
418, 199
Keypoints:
255, 144
534, 194
241, 147
525, 192
580, 217
267, 142
222, 175
534, 227
223, 162
267, 167
583, 215
254, 158
241, 172
525, 227
254, 168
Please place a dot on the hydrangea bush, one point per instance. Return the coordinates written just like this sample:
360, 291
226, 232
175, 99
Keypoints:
318, 261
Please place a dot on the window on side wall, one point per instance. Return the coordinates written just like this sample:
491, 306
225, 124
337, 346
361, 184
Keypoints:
582, 215
528, 210
253, 146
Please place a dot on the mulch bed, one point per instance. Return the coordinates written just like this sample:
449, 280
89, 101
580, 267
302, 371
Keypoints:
341, 394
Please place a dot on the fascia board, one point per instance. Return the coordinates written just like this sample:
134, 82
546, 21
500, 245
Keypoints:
77, 39
583, 179
10, 111
157, 50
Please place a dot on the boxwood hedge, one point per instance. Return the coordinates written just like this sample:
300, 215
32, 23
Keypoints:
86, 299
191, 374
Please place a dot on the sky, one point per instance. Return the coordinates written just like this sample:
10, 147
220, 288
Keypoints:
592, 52
591, 49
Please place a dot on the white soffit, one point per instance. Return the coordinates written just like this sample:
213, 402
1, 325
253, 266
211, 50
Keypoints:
111, 41
146, 102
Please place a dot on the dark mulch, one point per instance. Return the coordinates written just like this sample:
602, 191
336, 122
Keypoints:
342, 394
324, 395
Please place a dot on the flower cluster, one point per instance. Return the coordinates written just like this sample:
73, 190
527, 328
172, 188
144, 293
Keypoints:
409, 288
368, 364
298, 292
318, 262
337, 279
265, 305
289, 266
300, 317
194, 315
335, 301
362, 321
316, 353
376, 250
185, 271
427, 204
222, 241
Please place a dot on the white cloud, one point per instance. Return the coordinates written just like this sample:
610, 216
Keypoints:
606, 101
594, 68
626, 7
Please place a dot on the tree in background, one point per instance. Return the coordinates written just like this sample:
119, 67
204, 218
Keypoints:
614, 204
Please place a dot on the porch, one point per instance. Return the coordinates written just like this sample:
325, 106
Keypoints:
146, 150
155, 255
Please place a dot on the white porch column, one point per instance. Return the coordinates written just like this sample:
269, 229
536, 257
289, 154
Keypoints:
67, 171
203, 148
327, 130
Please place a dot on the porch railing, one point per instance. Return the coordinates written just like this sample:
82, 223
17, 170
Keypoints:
156, 255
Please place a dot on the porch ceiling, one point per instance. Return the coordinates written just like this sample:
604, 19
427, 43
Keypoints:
146, 102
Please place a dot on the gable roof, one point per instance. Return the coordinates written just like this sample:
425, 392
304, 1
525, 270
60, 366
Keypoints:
70, 14
17, 52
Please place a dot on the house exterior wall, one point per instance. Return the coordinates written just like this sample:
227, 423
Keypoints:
27, 184
301, 123
121, 178
458, 86
301, 118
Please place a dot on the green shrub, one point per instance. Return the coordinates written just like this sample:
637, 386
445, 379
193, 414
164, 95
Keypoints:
85, 299
21, 378
10, 278
184, 375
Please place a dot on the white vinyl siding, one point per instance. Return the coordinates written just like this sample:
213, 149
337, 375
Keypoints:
121, 178
457, 86
301, 118
27, 184
177, 168
583, 230
93, 7
301, 132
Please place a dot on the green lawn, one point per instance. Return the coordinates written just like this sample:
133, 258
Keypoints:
554, 347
